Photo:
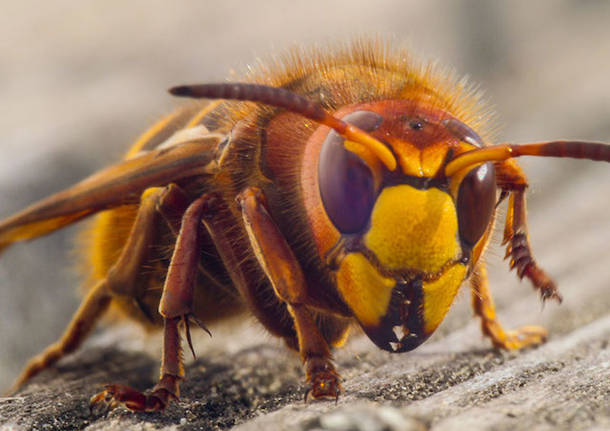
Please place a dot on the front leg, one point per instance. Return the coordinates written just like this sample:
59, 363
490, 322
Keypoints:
516, 238
284, 272
483, 306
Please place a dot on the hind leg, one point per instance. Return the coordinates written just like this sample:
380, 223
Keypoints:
120, 280
91, 309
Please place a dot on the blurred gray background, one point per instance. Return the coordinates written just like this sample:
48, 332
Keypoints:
80, 80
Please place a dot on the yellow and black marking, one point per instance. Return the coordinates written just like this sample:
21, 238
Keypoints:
401, 274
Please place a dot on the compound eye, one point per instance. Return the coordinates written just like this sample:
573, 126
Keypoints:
476, 202
346, 182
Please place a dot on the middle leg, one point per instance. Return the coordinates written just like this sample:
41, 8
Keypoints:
175, 306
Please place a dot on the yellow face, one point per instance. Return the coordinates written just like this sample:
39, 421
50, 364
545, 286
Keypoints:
407, 238
403, 283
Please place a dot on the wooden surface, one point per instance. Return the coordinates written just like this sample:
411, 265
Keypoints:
81, 81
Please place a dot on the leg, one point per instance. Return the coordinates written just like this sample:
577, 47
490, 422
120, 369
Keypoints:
283, 270
165, 391
176, 305
272, 313
315, 354
483, 306
91, 309
119, 281
269, 310
512, 179
121, 278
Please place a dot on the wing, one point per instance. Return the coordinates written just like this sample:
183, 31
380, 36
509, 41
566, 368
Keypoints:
113, 186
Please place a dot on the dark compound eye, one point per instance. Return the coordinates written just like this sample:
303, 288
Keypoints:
475, 203
346, 182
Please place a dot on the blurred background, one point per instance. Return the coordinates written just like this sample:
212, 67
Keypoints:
81, 80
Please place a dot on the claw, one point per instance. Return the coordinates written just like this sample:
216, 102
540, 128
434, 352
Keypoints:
115, 395
187, 330
526, 336
325, 385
